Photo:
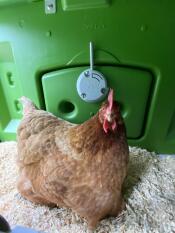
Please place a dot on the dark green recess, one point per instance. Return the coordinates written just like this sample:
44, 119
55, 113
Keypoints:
42, 55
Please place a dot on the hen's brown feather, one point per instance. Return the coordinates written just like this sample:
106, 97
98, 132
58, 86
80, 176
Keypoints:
78, 166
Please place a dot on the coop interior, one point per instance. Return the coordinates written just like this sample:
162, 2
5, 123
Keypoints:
79, 80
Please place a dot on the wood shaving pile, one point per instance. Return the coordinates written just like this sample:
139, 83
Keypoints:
149, 193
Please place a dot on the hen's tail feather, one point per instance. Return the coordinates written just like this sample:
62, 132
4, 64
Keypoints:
28, 105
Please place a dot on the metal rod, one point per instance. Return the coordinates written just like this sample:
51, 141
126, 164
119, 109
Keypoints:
91, 56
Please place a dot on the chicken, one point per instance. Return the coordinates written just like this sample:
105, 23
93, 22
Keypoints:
81, 167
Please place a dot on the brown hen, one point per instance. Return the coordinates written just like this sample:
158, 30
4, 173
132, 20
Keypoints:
77, 166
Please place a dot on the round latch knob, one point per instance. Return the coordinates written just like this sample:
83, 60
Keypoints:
91, 86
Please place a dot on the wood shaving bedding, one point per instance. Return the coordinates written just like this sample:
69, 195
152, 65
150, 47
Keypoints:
149, 193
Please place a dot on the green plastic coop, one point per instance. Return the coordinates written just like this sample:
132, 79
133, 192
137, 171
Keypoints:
44, 48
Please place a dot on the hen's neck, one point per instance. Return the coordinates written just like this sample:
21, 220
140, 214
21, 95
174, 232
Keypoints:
90, 136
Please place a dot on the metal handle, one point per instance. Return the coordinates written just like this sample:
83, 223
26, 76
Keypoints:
91, 56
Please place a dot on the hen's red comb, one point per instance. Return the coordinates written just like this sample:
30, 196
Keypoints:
111, 98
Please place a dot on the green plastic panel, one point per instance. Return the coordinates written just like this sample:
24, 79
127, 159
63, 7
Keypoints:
82, 4
131, 87
14, 2
134, 35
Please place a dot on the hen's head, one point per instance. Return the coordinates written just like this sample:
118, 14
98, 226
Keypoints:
109, 113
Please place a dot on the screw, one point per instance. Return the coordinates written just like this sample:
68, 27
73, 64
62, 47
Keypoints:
48, 33
86, 73
83, 95
103, 90
50, 6
144, 28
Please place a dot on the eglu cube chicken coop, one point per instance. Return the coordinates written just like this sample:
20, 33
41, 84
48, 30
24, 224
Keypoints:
45, 55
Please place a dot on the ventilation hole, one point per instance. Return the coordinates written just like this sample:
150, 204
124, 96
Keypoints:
66, 107
10, 79
9, 74
18, 106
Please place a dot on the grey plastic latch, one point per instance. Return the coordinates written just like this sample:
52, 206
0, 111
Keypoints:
91, 87
91, 84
